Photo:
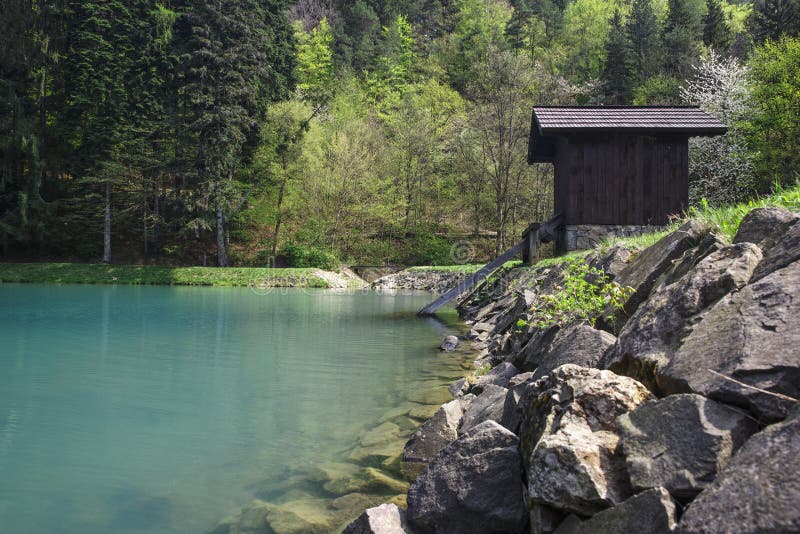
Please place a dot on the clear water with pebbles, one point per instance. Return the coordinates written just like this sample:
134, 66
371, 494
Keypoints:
163, 409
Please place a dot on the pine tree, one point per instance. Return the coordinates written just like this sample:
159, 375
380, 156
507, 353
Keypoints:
616, 75
642, 30
716, 32
236, 66
680, 43
772, 18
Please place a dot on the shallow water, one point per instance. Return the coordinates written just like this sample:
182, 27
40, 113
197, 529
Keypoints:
162, 409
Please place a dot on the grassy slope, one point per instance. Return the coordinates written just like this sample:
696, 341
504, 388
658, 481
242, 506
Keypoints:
78, 273
725, 220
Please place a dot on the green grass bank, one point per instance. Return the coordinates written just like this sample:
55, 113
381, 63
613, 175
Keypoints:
81, 273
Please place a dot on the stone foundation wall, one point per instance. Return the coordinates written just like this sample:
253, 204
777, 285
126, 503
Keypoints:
586, 236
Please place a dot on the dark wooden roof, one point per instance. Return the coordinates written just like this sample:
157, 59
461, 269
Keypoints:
549, 122
691, 120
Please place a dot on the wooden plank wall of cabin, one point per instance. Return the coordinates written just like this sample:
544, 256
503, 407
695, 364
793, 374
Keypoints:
664, 178
621, 179
561, 176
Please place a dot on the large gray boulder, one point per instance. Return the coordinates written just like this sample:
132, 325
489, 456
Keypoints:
530, 356
751, 336
655, 331
644, 270
569, 441
498, 376
762, 225
514, 402
758, 491
578, 344
784, 251
435, 434
652, 511
681, 442
383, 519
473, 485
488, 406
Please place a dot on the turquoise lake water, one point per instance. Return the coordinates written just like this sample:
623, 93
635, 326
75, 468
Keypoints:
160, 409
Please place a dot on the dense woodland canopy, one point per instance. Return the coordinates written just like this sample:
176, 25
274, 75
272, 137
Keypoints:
235, 131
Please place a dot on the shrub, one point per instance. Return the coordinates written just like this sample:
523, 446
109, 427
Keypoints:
298, 255
585, 294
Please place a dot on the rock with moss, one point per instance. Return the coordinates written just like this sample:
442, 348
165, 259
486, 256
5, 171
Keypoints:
569, 441
681, 442
435, 434
759, 489
473, 485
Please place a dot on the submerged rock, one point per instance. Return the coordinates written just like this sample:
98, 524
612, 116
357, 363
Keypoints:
473, 485
383, 519
449, 344
569, 439
433, 436
681, 442
459, 388
759, 489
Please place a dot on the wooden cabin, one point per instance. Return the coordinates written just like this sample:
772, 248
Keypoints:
619, 170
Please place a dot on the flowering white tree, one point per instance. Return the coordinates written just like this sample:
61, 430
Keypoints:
720, 168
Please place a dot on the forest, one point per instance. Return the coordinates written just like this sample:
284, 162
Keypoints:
264, 132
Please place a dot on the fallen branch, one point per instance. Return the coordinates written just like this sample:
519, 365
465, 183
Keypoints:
748, 386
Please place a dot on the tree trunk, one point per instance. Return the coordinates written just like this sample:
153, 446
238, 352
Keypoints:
279, 207
107, 225
222, 255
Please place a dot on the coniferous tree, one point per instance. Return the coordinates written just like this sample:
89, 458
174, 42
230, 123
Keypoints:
99, 61
716, 32
680, 43
772, 18
617, 72
233, 57
642, 30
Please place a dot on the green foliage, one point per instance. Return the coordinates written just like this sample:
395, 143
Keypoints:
726, 219
775, 126
658, 90
299, 255
314, 68
584, 295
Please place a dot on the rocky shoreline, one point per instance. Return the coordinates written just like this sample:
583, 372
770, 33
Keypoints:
676, 413
419, 280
